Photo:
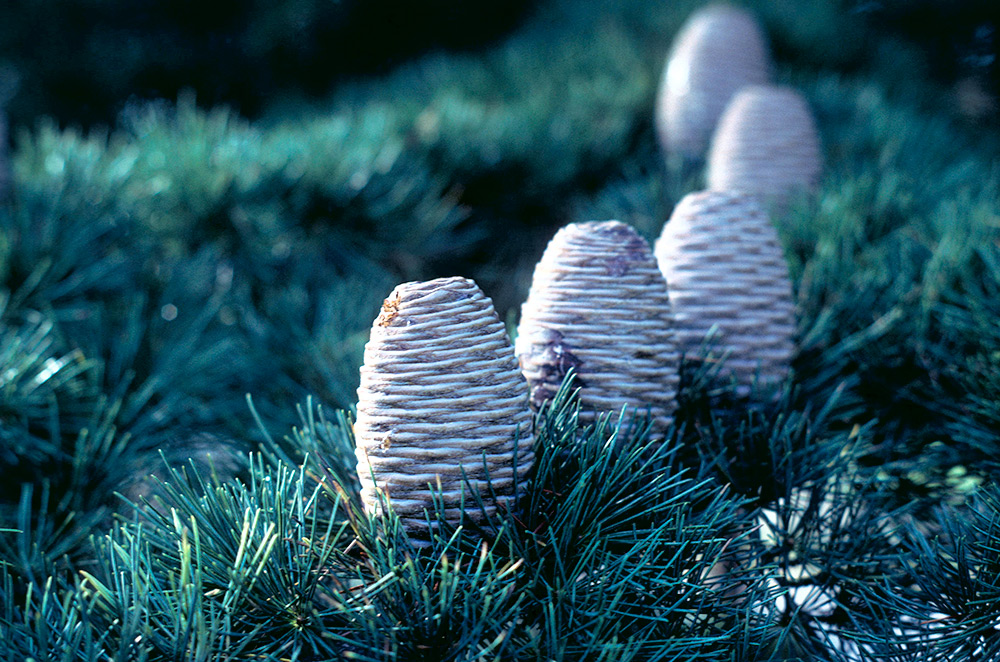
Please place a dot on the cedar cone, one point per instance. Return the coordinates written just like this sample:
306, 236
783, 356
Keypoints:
440, 389
724, 266
719, 50
766, 144
599, 304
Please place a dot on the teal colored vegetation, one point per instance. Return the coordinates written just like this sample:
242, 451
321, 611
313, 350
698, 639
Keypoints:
154, 274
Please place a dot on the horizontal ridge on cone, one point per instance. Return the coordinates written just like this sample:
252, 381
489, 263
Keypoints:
598, 304
711, 236
441, 393
719, 50
766, 144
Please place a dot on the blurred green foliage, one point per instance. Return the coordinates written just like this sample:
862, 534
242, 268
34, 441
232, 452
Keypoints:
156, 272
80, 60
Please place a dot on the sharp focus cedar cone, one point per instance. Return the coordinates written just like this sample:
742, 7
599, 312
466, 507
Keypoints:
440, 388
719, 50
599, 304
724, 266
766, 144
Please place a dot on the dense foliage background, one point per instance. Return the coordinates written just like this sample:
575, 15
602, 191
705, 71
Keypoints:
82, 61
177, 254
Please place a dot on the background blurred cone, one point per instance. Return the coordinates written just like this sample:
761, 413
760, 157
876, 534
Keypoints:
719, 50
599, 304
440, 387
766, 144
724, 266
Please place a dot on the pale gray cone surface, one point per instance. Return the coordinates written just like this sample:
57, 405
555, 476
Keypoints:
724, 266
599, 304
766, 144
719, 50
440, 387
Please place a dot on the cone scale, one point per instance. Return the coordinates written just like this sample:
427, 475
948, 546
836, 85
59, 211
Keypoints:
766, 144
440, 391
598, 304
719, 50
724, 266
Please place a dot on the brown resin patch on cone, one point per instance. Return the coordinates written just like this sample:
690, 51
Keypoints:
599, 304
766, 144
724, 266
440, 387
718, 51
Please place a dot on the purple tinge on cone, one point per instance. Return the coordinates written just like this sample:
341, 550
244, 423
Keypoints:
718, 51
766, 144
598, 304
441, 393
724, 267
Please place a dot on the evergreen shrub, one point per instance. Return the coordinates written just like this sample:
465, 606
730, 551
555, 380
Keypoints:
157, 272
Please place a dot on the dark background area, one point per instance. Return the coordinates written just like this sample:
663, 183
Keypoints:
81, 60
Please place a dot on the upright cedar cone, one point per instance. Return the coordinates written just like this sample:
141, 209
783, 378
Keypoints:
719, 50
599, 304
766, 144
724, 266
440, 392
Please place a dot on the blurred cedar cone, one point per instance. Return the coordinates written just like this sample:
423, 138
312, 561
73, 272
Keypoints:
719, 50
599, 304
724, 266
440, 392
766, 144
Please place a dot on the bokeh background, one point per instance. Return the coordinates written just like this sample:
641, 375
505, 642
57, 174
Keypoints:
81, 61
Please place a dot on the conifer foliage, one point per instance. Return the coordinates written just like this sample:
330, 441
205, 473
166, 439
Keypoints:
156, 273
